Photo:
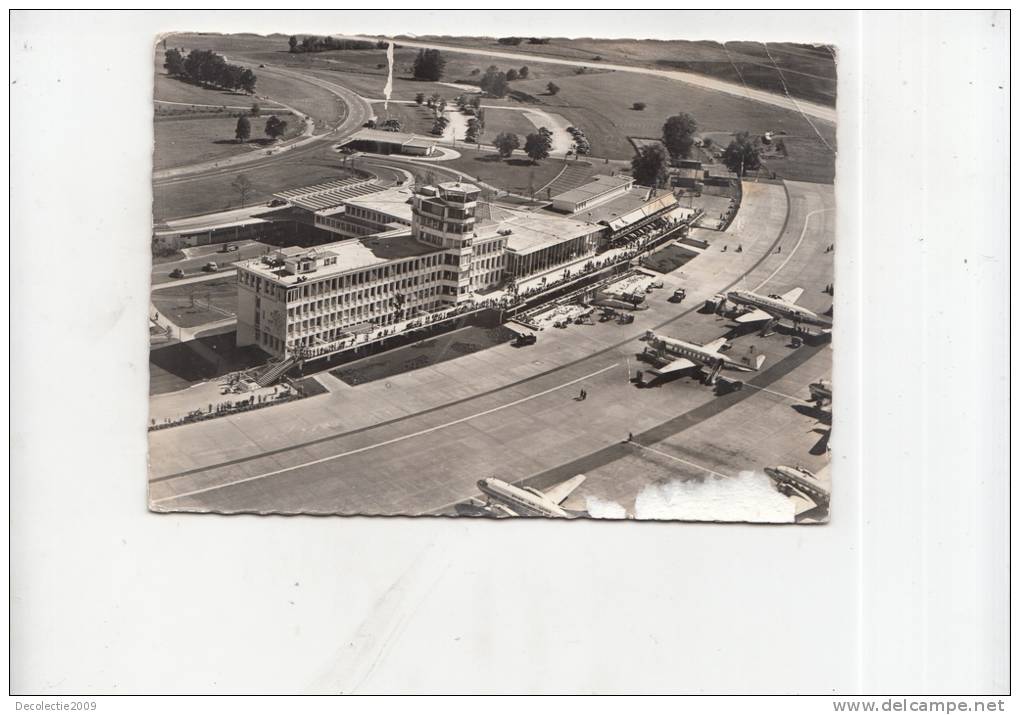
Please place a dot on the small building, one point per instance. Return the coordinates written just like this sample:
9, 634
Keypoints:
597, 191
377, 141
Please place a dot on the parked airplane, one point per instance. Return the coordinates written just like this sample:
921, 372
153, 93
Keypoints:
773, 308
801, 484
505, 499
707, 358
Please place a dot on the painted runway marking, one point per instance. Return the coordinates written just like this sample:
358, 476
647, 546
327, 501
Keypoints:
791, 398
369, 447
682, 461
793, 252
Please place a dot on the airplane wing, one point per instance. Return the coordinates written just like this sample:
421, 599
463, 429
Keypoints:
675, 366
564, 489
794, 295
755, 316
715, 345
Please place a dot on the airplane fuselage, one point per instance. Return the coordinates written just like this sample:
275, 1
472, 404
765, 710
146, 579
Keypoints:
695, 353
800, 481
522, 501
777, 308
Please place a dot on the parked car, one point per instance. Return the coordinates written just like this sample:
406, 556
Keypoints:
277, 202
210, 267
525, 339
227, 247
176, 273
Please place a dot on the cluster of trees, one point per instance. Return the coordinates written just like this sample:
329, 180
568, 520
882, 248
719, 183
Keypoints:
506, 144
205, 67
275, 127
519, 40
429, 65
475, 128
742, 154
495, 82
678, 136
537, 145
312, 43
650, 166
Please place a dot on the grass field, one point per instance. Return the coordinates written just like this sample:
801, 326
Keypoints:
809, 71
214, 193
601, 106
517, 175
506, 120
169, 89
190, 140
198, 303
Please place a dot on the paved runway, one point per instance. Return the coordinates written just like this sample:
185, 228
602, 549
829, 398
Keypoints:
418, 442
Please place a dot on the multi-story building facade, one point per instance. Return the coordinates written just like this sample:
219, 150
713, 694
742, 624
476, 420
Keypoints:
455, 251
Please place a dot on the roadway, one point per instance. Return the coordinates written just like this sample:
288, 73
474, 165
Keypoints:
417, 443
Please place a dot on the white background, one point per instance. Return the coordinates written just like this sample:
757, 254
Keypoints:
904, 591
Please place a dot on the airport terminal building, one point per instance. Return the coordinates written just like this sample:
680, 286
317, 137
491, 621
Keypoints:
436, 248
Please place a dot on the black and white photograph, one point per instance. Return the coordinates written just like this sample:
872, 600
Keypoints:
474, 352
492, 276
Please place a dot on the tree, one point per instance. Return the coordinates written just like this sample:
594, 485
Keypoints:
506, 143
552, 88
247, 81
419, 98
650, 166
275, 127
678, 135
494, 82
173, 62
255, 109
474, 128
243, 131
741, 155
537, 146
293, 43
511, 75
243, 187
429, 65
523, 72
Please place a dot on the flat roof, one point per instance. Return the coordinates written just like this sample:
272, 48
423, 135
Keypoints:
394, 202
351, 255
618, 206
329, 194
600, 184
384, 137
533, 231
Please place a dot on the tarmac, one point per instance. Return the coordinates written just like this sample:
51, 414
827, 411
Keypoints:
417, 442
